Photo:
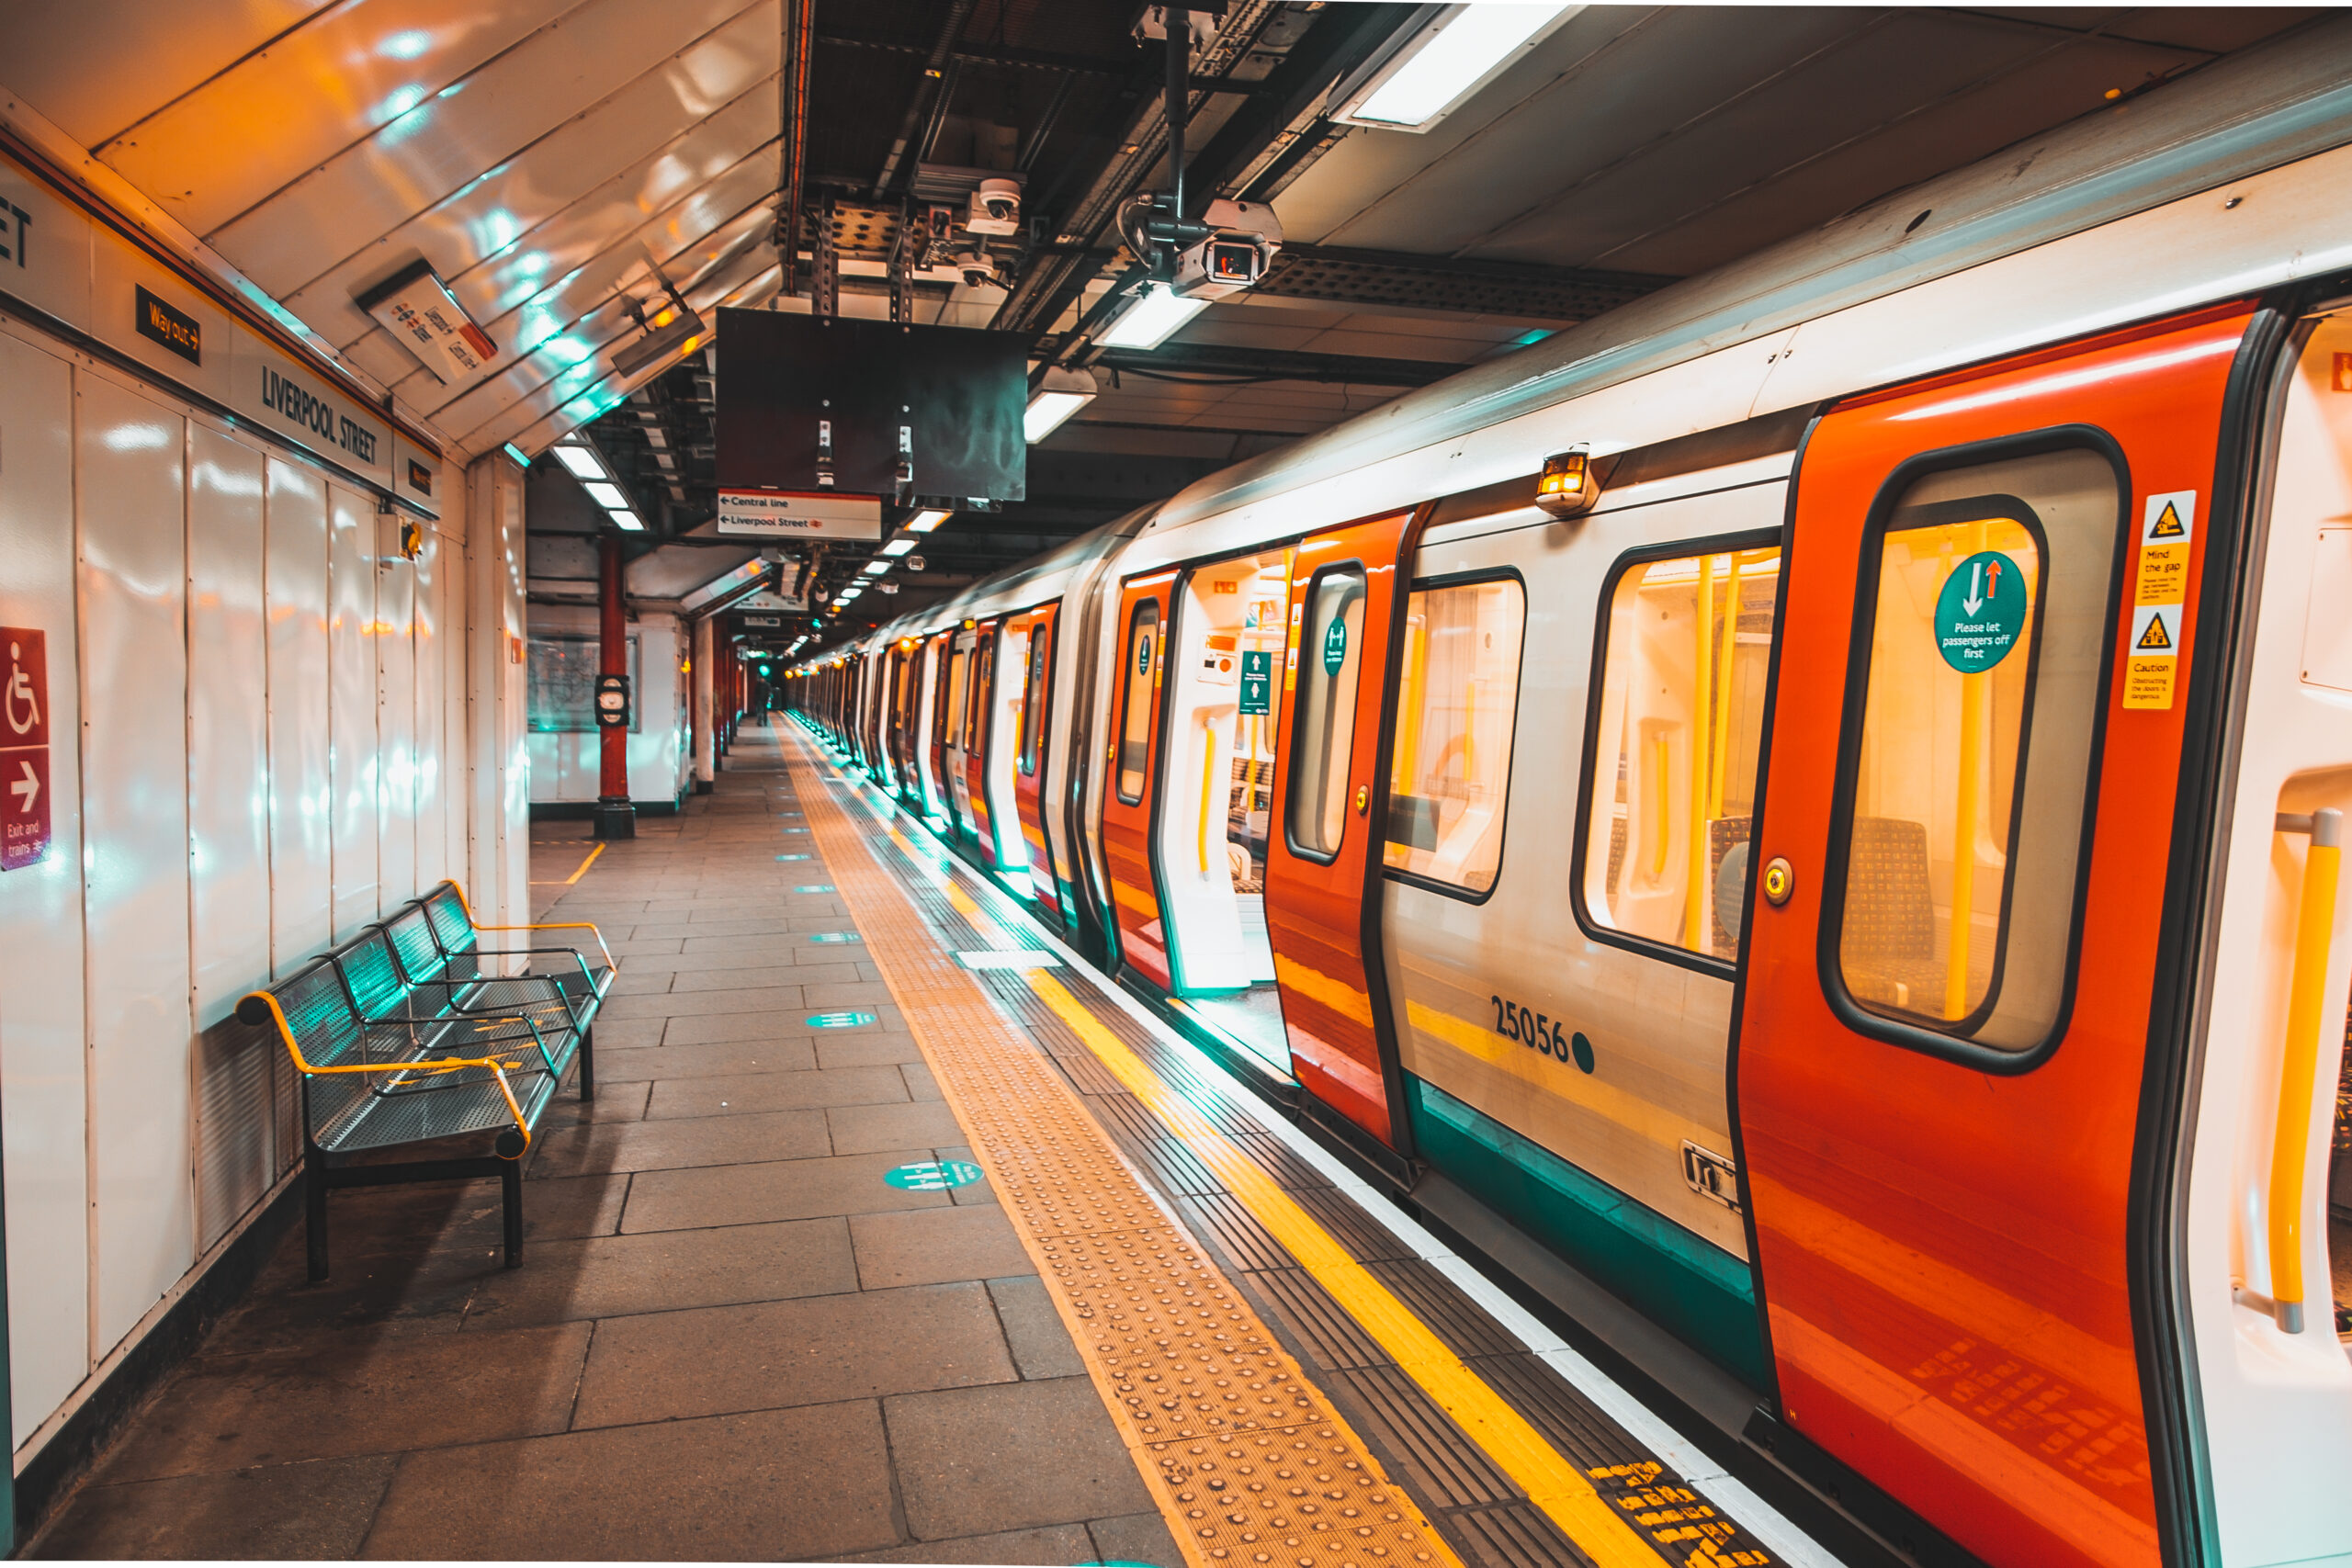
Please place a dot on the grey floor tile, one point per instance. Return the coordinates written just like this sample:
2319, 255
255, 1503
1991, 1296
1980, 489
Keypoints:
783, 1189
710, 1059
781, 1485
315, 1509
694, 1003
665, 1270
681, 1141
1134, 1537
744, 1092
1009, 1457
925, 1246
1041, 1342
1055, 1544
369, 1395
816, 1350
862, 1129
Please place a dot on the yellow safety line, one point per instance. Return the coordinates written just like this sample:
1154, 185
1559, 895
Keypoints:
1550, 1479
1246, 1459
575, 875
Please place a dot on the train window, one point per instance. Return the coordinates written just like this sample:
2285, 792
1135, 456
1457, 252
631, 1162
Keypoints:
1331, 661
1135, 717
1671, 783
976, 698
1452, 770
1962, 801
1032, 704
958, 664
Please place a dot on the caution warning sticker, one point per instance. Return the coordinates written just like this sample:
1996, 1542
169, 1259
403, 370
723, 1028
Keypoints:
2153, 655
2159, 588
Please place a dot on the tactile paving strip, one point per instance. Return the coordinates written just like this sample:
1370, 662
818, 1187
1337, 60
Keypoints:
1249, 1461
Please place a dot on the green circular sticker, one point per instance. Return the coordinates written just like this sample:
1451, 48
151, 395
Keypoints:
932, 1176
1335, 644
839, 1019
1980, 612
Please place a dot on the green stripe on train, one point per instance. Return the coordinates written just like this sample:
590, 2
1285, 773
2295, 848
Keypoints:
1687, 1285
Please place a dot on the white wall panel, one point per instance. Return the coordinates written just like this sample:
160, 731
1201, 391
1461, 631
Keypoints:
432, 694
393, 636
301, 785
351, 662
237, 1069
131, 520
455, 654
227, 727
42, 1097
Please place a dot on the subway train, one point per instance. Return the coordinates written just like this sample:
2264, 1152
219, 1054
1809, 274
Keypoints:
1812, 801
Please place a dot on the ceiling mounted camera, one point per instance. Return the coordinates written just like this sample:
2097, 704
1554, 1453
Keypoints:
1243, 237
995, 207
979, 269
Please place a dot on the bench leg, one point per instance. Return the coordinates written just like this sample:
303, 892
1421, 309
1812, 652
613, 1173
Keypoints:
314, 1215
588, 1063
510, 1181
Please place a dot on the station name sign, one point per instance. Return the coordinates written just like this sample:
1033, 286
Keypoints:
57, 259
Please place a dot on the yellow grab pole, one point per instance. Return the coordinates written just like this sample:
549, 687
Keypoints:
2306, 1012
1703, 691
1722, 700
1963, 826
1208, 783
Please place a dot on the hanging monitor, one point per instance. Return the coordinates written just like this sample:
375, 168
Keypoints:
836, 407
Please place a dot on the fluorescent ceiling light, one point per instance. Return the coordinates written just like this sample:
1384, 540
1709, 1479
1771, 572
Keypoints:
925, 522
1059, 394
627, 521
898, 547
875, 568
582, 461
1151, 318
1459, 51
608, 496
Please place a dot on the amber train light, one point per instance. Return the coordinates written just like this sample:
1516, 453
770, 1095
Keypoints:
1569, 487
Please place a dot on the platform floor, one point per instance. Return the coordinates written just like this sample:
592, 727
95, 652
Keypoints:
758, 1317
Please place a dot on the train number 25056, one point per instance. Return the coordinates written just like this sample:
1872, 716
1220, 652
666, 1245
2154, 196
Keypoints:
1539, 1031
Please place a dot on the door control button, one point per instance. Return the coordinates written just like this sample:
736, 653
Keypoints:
1780, 880
1363, 798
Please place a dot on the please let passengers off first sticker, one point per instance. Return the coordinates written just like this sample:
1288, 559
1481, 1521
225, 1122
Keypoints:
2159, 590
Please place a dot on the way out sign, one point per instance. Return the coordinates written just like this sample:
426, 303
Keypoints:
24, 747
1980, 612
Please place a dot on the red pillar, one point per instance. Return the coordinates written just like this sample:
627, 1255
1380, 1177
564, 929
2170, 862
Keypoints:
616, 816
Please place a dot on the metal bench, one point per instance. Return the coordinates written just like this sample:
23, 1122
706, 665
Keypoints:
399, 1044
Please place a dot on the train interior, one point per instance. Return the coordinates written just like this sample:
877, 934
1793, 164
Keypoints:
1456, 715
1681, 719
1001, 745
1217, 781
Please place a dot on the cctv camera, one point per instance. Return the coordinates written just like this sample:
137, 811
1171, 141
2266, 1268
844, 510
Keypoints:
995, 207
1243, 237
979, 268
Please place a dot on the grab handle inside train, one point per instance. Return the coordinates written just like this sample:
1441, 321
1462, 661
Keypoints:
2306, 1010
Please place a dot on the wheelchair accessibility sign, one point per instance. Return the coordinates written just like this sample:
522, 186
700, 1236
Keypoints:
24, 747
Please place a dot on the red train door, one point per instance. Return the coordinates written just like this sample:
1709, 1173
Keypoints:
1127, 802
1029, 756
1320, 860
1986, 631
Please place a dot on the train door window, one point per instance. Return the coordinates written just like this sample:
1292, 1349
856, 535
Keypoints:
1134, 714
1962, 798
1450, 772
1678, 721
1033, 703
976, 700
1001, 736
957, 660
1323, 732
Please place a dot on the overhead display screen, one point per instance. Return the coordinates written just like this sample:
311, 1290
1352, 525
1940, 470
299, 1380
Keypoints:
788, 381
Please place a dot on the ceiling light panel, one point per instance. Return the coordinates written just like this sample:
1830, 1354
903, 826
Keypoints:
1447, 61
583, 462
898, 547
1151, 318
608, 496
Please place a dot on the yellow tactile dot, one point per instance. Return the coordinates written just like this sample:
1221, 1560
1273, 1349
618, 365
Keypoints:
1248, 1462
